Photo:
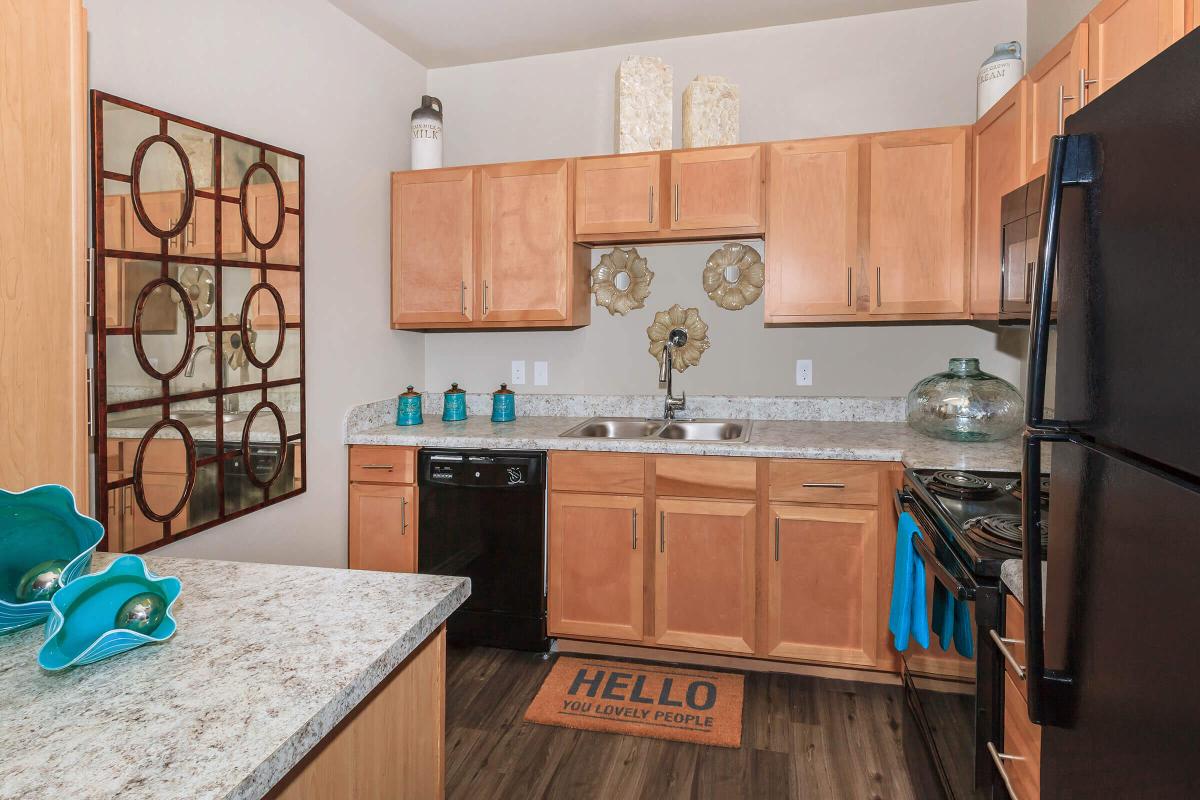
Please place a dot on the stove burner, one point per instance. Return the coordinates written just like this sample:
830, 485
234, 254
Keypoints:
1002, 531
1016, 490
963, 485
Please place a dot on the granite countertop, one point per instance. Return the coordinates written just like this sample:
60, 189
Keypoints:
863, 441
267, 660
1013, 576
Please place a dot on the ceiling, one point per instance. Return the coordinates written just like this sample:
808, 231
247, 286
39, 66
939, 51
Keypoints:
451, 32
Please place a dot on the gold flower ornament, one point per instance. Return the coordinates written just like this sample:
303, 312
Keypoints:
621, 281
734, 276
697, 336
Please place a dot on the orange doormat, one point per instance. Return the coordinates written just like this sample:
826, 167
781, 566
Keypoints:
686, 705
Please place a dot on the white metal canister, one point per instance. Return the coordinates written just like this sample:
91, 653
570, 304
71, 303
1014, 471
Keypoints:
998, 74
427, 134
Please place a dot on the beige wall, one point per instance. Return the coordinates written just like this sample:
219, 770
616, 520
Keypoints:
899, 70
1049, 21
300, 74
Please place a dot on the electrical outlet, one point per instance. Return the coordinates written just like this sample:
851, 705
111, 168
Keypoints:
518, 373
541, 373
804, 372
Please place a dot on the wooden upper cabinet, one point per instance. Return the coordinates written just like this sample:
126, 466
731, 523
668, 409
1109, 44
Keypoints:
716, 188
1124, 34
999, 156
823, 585
617, 194
704, 575
812, 229
1053, 95
382, 527
433, 243
596, 544
525, 242
919, 215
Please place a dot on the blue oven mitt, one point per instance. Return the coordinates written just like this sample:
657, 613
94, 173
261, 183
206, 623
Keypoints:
908, 613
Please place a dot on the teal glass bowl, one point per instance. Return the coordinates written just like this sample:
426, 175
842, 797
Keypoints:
38, 525
81, 628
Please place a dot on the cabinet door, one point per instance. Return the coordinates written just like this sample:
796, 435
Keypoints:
812, 229
999, 169
114, 274
433, 246
263, 310
720, 188
382, 528
919, 222
596, 546
164, 209
524, 241
618, 194
1053, 96
823, 585
704, 575
1124, 34
200, 234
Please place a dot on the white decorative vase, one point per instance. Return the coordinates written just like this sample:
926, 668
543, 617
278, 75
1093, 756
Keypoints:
427, 134
644, 87
710, 112
998, 74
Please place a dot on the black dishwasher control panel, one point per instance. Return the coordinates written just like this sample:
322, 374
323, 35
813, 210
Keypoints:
492, 470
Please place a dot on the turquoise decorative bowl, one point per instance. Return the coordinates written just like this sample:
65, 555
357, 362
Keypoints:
81, 628
38, 525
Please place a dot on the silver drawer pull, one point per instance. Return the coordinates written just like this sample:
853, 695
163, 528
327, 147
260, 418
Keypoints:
1000, 758
823, 485
403, 515
1003, 643
388, 467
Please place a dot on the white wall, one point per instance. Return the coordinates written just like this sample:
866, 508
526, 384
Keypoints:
302, 75
905, 69
1049, 22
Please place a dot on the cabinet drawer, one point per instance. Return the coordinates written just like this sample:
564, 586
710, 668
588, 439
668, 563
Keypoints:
1014, 633
373, 464
1021, 757
841, 483
705, 476
607, 473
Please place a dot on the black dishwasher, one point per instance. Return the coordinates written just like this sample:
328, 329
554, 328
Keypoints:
483, 515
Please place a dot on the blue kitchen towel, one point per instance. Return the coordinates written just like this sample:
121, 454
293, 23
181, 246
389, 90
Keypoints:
908, 615
952, 622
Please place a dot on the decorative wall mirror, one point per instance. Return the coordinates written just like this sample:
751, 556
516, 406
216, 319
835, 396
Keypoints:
199, 349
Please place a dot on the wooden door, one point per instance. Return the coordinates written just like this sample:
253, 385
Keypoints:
596, 562
704, 575
999, 156
1056, 76
617, 194
717, 188
1190, 17
918, 247
433, 246
1124, 34
812, 229
823, 584
382, 527
524, 241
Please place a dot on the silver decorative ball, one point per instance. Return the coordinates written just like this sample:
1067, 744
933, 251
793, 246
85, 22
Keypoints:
142, 613
40, 582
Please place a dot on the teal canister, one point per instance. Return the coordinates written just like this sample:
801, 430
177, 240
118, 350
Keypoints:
454, 406
504, 407
408, 412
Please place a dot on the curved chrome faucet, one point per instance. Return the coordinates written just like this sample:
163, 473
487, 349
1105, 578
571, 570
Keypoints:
672, 405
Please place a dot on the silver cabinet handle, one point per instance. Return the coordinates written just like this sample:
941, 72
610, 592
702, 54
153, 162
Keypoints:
1063, 97
1083, 84
403, 514
850, 287
823, 485
999, 758
1003, 644
634, 529
651, 205
677, 202
485, 298
388, 467
462, 297
662, 532
776, 537
878, 286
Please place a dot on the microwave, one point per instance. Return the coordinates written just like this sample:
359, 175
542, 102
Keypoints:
1020, 219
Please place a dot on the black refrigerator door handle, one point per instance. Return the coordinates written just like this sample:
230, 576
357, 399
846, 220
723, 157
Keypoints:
1039, 317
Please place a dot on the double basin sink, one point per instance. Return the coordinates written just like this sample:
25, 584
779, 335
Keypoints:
733, 431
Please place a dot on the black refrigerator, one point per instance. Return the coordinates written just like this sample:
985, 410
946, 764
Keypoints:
1114, 670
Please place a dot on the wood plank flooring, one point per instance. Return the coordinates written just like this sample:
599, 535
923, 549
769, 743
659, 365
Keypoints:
803, 737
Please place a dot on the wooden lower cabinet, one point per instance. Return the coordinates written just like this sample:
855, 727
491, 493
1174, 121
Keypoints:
823, 584
1020, 758
383, 527
596, 545
704, 589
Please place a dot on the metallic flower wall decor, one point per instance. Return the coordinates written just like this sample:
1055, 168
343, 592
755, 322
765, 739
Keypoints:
621, 281
232, 346
697, 333
734, 276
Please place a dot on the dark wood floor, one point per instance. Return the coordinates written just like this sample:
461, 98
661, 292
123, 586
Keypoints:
802, 737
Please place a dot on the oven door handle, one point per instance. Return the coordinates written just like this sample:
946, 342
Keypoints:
957, 589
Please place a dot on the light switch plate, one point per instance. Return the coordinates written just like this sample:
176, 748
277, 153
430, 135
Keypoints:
518, 373
804, 372
541, 373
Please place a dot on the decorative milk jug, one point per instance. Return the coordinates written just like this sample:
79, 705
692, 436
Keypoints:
998, 74
427, 134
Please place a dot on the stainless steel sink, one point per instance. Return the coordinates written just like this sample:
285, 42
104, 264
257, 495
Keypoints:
186, 417
698, 430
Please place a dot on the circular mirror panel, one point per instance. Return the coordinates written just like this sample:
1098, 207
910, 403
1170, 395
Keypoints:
158, 346
167, 448
622, 281
162, 188
261, 201
250, 341
263, 440
732, 273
